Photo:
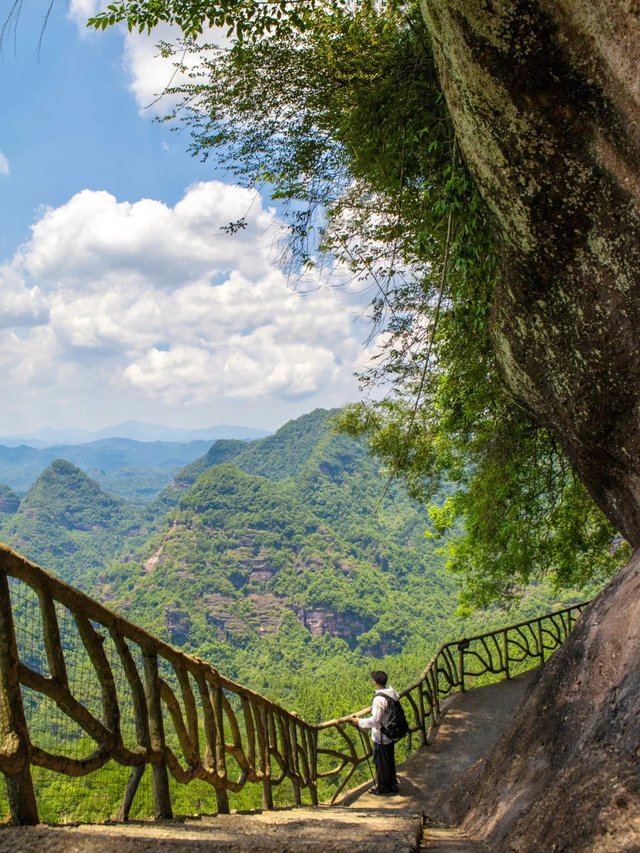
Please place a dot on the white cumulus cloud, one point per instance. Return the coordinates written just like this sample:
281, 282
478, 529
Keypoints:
79, 11
4, 165
142, 298
150, 74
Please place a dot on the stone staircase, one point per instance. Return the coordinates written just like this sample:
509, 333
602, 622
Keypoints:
472, 723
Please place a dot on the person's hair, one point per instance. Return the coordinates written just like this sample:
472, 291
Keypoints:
379, 676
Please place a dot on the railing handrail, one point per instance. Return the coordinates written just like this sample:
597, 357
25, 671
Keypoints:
516, 625
268, 742
455, 644
74, 599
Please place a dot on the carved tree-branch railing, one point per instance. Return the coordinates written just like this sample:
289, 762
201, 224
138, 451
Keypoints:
454, 668
136, 701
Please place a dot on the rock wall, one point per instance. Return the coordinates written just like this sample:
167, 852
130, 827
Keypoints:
565, 777
545, 98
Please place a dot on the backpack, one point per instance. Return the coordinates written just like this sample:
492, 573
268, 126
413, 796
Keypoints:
397, 726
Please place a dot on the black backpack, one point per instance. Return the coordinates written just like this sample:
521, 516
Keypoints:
397, 726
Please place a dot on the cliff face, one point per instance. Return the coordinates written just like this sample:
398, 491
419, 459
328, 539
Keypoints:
545, 97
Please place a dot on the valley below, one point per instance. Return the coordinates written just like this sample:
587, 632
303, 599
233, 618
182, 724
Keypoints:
284, 561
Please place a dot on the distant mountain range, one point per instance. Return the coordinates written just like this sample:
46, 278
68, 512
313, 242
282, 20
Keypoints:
247, 537
133, 469
135, 430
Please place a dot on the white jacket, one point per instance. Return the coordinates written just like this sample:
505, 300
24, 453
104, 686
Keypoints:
380, 712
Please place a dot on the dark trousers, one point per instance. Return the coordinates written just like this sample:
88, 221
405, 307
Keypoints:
385, 763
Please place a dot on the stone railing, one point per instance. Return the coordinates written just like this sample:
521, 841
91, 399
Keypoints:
80, 687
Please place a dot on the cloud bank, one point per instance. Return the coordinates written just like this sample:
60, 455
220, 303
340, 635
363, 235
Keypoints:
111, 297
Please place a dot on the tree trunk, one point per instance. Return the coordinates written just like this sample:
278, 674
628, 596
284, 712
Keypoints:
545, 98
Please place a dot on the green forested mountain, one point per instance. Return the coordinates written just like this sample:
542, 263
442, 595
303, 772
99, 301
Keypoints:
295, 525
68, 524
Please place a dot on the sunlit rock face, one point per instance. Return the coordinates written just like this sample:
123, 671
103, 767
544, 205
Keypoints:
545, 97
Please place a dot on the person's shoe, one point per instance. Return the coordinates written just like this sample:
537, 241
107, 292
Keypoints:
377, 793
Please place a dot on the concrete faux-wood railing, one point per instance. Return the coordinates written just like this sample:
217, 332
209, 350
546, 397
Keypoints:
129, 698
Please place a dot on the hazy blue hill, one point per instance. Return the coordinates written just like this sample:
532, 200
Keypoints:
135, 430
68, 524
155, 432
123, 466
9, 500
109, 454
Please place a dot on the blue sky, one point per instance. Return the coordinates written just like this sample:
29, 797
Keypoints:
120, 296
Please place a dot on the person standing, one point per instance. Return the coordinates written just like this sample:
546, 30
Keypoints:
383, 747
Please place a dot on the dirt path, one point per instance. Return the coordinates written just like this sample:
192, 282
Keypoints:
322, 830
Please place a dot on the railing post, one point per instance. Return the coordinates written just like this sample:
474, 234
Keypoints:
505, 651
289, 733
312, 745
462, 646
15, 745
435, 696
161, 793
540, 641
421, 717
222, 797
267, 793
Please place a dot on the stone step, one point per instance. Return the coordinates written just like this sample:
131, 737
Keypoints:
305, 830
449, 840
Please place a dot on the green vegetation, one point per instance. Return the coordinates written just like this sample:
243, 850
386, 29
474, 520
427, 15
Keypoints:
292, 565
68, 525
335, 108
294, 524
284, 562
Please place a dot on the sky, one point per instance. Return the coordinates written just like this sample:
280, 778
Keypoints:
120, 296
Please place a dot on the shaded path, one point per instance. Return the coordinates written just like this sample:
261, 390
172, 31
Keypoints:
472, 722
470, 726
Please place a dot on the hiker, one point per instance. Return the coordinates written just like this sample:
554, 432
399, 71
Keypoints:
383, 747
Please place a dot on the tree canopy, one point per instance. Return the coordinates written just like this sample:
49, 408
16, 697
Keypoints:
336, 110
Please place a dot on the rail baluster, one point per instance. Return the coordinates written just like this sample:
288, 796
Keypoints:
161, 792
15, 746
505, 648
